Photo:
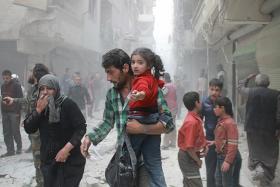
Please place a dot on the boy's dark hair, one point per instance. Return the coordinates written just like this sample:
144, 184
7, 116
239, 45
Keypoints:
40, 70
226, 103
117, 58
189, 100
216, 83
6, 73
152, 59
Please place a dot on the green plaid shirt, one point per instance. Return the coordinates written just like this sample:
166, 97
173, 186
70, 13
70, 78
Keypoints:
115, 112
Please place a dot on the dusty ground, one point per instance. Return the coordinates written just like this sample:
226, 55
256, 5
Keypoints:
18, 171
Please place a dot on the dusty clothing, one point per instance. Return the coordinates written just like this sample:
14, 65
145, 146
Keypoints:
170, 95
79, 94
261, 126
30, 102
11, 89
261, 108
226, 138
191, 134
226, 141
11, 116
263, 150
231, 177
189, 169
54, 136
11, 131
210, 118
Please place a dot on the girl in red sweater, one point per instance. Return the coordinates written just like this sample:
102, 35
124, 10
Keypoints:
143, 107
145, 85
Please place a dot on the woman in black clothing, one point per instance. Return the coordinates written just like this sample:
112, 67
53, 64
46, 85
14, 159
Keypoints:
62, 126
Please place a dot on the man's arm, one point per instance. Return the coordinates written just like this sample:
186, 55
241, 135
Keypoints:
243, 85
103, 129
164, 125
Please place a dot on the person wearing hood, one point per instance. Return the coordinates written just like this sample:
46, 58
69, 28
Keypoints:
62, 126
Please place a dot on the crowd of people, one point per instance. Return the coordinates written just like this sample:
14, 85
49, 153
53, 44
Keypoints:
143, 103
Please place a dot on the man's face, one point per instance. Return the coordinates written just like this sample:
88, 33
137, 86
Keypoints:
77, 80
214, 92
6, 79
116, 77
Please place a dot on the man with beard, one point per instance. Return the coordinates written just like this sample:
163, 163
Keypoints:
118, 69
11, 114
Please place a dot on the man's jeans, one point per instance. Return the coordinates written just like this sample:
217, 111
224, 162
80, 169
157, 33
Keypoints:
11, 130
211, 162
149, 147
231, 177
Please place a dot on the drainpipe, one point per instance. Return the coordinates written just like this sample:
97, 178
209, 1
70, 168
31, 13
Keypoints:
269, 6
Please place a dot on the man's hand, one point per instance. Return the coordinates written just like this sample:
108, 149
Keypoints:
252, 76
42, 103
85, 146
210, 143
204, 152
225, 166
8, 100
134, 127
62, 155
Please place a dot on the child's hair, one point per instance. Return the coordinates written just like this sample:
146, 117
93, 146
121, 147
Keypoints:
226, 103
152, 59
216, 83
189, 100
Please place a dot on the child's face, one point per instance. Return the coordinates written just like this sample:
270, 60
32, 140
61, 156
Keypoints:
214, 92
198, 105
138, 65
219, 110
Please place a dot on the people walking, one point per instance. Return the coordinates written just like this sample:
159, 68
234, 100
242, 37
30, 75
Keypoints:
62, 126
261, 127
11, 114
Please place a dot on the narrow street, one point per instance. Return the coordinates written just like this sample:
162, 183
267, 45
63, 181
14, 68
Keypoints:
18, 171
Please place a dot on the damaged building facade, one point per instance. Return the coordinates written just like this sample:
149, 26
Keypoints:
70, 33
226, 32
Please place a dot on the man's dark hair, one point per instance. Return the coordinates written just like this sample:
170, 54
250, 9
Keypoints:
7, 73
189, 100
40, 70
216, 83
117, 58
226, 103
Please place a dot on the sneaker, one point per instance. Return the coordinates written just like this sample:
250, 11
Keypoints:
7, 154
